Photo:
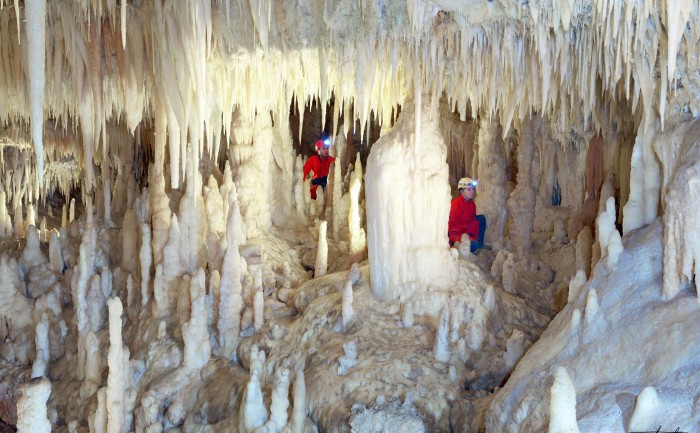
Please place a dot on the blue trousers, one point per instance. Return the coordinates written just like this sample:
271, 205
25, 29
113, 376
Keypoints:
479, 242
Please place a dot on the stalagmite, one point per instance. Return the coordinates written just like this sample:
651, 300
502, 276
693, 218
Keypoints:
299, 409
562, 404
41, 342
280, 399
645, 182
591, 305
321, 267
253, 413
358, 242
195, 333
71, 211
575, 285
509, 277
5, 221
441, 348
258, 307
230, 301
643, 418
146, 259
347, 311
584, 244
407, 315
410, 249
32, 414
118, 361
98, 423
31, 217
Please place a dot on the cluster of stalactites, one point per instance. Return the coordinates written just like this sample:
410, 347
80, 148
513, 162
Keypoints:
115, 61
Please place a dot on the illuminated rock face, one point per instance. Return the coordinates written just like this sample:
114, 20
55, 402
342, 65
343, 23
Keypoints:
177, 294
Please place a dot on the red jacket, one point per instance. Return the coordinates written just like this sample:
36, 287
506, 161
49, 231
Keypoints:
462, 220
319, 166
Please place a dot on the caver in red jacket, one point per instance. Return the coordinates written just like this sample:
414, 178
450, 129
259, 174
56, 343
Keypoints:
320, 167
462, 220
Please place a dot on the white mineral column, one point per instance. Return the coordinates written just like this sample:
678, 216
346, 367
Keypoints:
98, 422
280, 399
162, 215
230, 299
441, 349
71, 211
584, 253
299, 409
93, 365
491, 191
64, 216
41, 342
118, 362
645, 183
252, 153
35, 14
18, 222
562, 404
194, 332
160, 294
358, 240
192, 218
172, 264
322, 250
253, 412
146, 259
129, 234
338, 220
43, 233
521, 203
31, 217
347, 311
107, 192
32, 416
258, 309
5, 221
407, 239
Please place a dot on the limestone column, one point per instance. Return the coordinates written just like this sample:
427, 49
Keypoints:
408, 205
491, 192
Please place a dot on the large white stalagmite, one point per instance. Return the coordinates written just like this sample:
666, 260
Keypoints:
407, 239
492, 194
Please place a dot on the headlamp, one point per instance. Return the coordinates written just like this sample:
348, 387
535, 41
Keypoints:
327, 142
474, 182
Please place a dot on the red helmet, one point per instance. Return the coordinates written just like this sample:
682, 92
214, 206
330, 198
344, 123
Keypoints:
323, 144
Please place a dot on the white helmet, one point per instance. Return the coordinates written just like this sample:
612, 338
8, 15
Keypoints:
465, 182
